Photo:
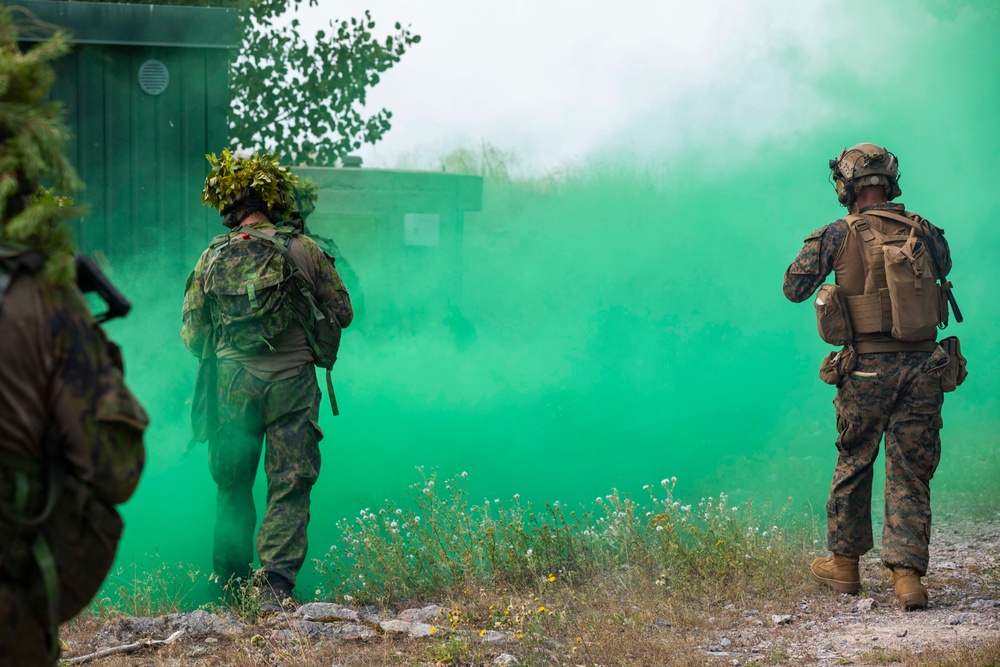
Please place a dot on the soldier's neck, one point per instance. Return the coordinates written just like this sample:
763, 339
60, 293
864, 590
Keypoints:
254, 217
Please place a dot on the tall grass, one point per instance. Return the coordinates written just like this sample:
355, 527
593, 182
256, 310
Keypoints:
440, 540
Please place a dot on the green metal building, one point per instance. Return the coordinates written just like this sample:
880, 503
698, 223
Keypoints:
145, 89
401, 236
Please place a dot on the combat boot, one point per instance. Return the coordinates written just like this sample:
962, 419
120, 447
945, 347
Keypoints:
839, 572
276, 594
909, 591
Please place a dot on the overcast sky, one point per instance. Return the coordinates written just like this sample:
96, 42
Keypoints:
558, 81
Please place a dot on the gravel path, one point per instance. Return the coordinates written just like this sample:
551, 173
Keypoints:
829, 629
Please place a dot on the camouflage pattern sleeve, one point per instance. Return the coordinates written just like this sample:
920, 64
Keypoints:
100, 421
330, 288
195, 316
814, 262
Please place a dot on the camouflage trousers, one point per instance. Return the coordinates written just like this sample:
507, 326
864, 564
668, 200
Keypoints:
282, 414
897, 395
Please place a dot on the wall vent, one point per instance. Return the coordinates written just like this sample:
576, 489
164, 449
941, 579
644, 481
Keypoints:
153, 77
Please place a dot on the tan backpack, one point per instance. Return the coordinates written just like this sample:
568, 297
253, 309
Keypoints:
902, 294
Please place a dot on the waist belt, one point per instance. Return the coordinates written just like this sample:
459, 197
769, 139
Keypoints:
875, 346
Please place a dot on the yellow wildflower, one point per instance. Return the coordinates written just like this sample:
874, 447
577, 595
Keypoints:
551, 578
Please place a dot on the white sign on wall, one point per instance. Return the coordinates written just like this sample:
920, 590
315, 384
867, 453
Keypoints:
422, 229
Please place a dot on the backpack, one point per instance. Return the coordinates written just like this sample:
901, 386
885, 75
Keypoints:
247, 279
902, 294
259, 292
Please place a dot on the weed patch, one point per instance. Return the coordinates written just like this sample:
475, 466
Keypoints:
441, 541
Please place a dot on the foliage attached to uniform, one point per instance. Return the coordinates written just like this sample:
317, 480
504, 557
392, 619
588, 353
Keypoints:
232, 179
307, 190
33, 136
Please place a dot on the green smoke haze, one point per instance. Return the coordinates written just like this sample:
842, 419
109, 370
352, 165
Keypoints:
628, 315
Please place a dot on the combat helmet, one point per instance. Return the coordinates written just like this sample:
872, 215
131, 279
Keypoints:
306, 192
862, 165
238, 187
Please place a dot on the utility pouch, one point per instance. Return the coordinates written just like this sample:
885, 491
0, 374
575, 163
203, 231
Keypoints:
913, 291
832, 318
956, 372
838, 365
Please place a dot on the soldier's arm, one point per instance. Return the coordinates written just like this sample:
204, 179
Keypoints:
194, 314
330, 288
99, 420
814, 262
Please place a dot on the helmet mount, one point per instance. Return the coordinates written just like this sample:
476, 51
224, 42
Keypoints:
864, 165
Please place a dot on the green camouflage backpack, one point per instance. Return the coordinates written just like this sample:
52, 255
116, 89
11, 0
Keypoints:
259, 292
247, 278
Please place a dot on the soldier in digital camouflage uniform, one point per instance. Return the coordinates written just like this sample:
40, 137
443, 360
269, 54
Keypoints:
894, 390
269, 396
70, 431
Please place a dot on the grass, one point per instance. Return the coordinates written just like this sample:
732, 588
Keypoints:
619, 582
147, 588
441, 541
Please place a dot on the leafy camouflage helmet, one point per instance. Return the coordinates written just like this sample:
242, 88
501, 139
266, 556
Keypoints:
254, 183
863, 165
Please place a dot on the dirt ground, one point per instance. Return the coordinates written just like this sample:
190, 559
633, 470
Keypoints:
820, 629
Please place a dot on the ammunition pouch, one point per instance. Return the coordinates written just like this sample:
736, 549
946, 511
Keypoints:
832, 317
955, 374
838, 365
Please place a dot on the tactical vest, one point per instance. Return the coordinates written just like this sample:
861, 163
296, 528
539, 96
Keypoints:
901, 296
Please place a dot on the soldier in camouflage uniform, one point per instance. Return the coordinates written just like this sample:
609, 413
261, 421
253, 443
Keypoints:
70, 431
268, 396
885, 386
306, 196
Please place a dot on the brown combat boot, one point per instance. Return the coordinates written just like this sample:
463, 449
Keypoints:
839, 572
909, 591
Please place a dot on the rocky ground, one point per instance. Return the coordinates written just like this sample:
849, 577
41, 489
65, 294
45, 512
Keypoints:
820, 629
870, 629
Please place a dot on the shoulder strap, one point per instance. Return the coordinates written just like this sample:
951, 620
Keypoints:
217, 244
897, 217
864, 236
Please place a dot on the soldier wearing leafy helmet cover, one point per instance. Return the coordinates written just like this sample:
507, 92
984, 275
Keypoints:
884, 310
71, 432
251, 310
306, 195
